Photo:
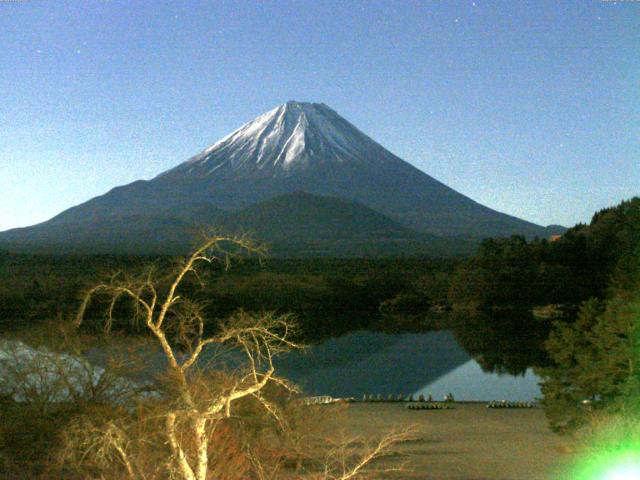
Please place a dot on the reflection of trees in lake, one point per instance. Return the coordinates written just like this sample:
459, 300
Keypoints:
506, 341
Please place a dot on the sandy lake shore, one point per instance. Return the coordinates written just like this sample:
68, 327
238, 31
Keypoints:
467, 442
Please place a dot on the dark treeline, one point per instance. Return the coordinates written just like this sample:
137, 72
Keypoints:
595, 356
330, 297
327, 296
513, 294
590, 343
36, 288
514, 273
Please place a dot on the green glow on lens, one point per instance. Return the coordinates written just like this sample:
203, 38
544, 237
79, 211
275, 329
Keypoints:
630, 471
609, 465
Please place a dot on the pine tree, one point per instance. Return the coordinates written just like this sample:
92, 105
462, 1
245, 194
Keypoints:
597, 364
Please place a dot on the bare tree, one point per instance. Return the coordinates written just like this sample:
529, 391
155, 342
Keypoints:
199, 405
45, 378
195, 402
348, 459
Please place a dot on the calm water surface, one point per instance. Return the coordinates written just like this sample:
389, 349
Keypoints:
409, 364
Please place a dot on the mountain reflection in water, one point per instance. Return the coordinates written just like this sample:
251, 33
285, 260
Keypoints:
407, 363
484, 357
470, 382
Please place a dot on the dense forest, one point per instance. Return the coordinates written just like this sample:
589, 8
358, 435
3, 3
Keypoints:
327, 296
595, 355
332, 296
511, 272
584, 290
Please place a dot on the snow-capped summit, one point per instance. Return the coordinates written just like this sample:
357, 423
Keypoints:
288, 139
296, 147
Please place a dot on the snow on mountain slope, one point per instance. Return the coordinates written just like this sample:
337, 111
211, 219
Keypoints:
309, 147
289, 139
296, 147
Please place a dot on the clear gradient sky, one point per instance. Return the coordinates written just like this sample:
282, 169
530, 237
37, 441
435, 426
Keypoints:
531, 108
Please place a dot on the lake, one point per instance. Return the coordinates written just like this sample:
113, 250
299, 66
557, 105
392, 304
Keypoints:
366, 362
407, 363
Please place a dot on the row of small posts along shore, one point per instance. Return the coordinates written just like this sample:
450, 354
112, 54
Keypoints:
428, 403
413, 403
403, 398
506, 404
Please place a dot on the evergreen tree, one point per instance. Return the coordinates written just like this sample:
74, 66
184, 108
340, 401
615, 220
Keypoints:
511, 272
597, 357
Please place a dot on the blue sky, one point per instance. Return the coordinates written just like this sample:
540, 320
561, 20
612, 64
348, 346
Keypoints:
531, 108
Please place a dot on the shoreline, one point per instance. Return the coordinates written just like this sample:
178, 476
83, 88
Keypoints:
467, 442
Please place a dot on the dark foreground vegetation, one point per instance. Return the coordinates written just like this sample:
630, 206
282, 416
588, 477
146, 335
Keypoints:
511, 272
328, 296
585, 290
153, 407
569, 307
595, 354
334, 296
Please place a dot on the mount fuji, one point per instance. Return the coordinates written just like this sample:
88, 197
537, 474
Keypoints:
296, 169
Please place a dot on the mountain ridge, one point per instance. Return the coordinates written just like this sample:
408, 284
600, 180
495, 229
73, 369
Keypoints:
294, 225
295, 147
